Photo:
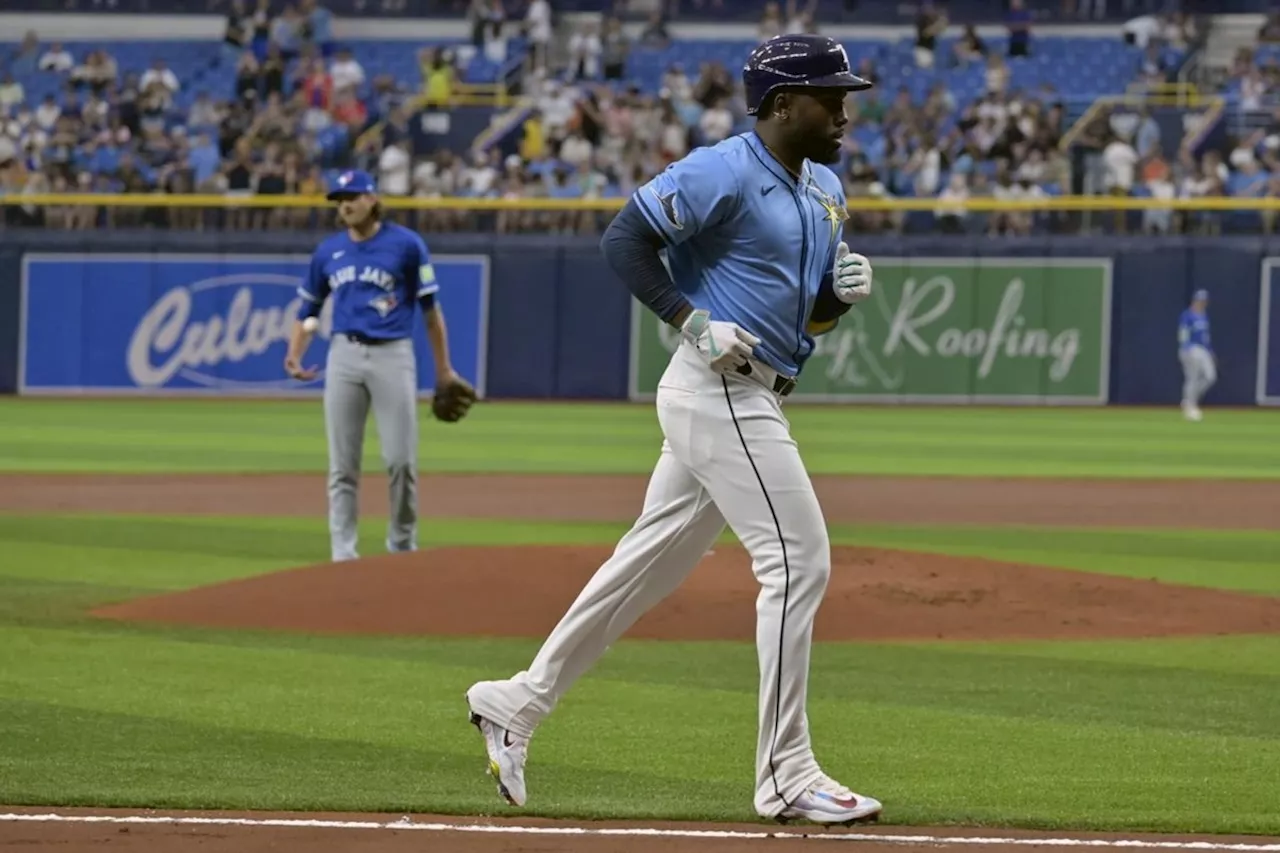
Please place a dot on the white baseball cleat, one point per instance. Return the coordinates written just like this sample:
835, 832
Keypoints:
827, 801
507, 755
1192, 413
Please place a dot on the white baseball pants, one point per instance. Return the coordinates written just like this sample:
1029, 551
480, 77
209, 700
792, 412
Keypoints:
727, 456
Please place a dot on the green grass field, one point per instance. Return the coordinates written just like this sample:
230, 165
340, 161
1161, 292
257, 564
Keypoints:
1173, 735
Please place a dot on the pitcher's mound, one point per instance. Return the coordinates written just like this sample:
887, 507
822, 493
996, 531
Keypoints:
873, 594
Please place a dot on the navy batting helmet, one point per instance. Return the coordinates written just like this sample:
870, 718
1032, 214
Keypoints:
788, 61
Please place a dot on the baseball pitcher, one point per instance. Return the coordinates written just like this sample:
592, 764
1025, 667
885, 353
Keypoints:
1199, 367
752, 231
375, 272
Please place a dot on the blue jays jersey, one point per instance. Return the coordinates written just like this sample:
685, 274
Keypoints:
1193, 330
375, 283
748, 242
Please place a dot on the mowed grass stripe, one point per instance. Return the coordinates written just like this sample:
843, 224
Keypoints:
197, 435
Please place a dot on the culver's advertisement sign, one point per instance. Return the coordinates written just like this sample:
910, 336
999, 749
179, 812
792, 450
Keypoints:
105, 323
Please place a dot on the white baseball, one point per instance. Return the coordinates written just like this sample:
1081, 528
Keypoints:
311, 324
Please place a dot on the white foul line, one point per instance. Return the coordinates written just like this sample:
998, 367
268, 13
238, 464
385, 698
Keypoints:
404, 824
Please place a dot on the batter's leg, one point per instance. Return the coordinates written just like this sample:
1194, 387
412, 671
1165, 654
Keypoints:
676, 527
733, 435
346, 409
393, 386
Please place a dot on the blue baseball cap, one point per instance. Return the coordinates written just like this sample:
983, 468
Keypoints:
1201, 295
353, 182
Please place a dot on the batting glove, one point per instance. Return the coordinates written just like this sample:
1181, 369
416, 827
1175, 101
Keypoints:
724, 346
852, 275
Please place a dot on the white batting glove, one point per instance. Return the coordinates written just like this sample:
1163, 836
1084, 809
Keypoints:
724, 346
852, 275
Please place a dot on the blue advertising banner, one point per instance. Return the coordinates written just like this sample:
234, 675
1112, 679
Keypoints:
1269, 334
212, 324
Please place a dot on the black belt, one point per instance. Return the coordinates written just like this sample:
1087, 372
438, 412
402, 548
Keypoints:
782, 385
356, 338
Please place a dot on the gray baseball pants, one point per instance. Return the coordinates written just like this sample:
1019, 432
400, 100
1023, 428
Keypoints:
384, 376
1198, 374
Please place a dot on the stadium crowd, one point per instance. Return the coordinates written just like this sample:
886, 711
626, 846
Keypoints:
593, 132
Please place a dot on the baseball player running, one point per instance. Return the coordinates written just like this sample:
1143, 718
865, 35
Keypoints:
752, 232
375, 272
1199, 368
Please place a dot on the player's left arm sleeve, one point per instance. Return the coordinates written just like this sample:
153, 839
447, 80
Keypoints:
424, 275
827, 309
690, 196
315, 290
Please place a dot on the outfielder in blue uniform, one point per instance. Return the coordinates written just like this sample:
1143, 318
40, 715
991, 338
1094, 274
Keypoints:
1195, 351
379, 275
752, 230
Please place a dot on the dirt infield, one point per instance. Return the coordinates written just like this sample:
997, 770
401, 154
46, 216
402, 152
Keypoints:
873, 595
95, 831
867, 500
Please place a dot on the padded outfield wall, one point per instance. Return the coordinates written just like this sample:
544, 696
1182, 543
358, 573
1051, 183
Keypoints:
1066, 320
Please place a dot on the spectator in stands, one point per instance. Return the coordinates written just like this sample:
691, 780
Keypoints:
801, 20
1018, 23
56, 59
25, 59
437, 77
770, 22
997, 75
317, 26
1153, 68
537, 24
1253, 87
159, 81
246, 85
395, 165
286, 33
348, 109
585, 49
970, 47
950, 212
1119, 160
97, 72
716, 123
236, 31
615, 50
931, 22
11, 93
318, 86
1146, 134
1270, 29
346, 71
1097, 7
655, 33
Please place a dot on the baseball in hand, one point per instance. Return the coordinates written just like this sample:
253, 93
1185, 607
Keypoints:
311, 324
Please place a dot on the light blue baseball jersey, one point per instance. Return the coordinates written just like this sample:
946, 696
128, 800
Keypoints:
748, 242
1193, 330
375, 283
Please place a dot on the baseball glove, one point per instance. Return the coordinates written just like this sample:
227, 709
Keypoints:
451, 402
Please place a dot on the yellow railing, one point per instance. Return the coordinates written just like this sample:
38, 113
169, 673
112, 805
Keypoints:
973, 205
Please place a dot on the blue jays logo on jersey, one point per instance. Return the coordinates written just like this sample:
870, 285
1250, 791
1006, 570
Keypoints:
369, 275
668, 202
384, 304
